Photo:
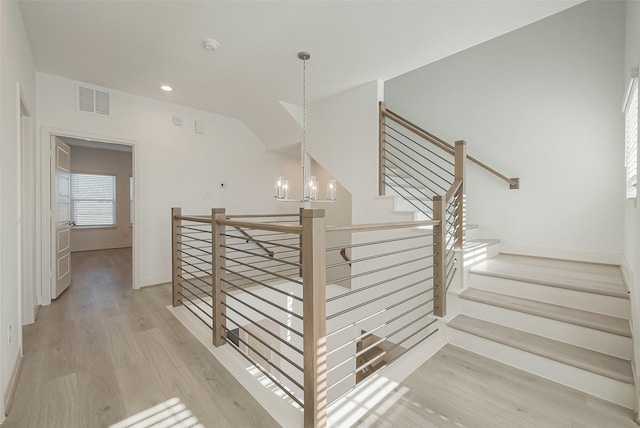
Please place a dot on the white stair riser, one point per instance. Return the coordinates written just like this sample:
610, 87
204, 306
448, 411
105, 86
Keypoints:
472, 257
597, 303
471, 233
582, 380
596, 340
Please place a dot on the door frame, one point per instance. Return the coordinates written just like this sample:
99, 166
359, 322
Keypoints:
27, 216
46, 212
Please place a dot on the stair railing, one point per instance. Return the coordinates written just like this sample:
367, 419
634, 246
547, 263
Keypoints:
429, 174
261, 285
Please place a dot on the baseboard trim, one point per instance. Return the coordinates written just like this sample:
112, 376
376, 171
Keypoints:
13, 382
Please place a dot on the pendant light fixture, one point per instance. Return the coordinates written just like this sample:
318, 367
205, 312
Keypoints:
310, 191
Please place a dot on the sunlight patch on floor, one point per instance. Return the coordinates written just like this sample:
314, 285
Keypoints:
172, 413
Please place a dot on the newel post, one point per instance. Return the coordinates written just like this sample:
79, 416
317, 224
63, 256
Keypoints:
314, 317
439, 257
460, 171
218, 298
176, 261
381, 147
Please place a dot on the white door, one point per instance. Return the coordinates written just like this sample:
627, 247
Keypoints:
62, 203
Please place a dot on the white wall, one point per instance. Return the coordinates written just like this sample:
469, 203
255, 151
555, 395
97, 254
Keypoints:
343, 137
541, 103
16, 66
86, 160
173, 166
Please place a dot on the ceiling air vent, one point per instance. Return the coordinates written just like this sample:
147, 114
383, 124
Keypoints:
93, 101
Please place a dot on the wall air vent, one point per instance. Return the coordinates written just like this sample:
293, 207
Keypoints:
93, 101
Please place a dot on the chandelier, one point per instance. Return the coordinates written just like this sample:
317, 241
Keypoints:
310, 190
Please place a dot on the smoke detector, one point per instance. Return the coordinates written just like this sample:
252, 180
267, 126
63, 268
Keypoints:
210, 44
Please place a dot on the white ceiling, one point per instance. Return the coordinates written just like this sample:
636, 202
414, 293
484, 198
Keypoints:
135, 46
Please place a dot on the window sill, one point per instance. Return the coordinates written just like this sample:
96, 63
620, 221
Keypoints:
93, 227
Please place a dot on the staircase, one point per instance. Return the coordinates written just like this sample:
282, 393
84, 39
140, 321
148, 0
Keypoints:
563, 320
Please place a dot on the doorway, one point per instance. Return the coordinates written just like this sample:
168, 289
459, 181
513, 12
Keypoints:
91, 197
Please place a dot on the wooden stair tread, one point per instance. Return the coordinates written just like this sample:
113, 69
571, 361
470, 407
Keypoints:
606, 323
580, 276
592, 361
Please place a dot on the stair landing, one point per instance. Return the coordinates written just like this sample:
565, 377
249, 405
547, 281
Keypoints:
587, 277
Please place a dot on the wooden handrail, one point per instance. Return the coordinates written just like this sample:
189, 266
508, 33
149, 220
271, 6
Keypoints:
252, 239
514, 183
345, 257
419, 131
453, 189
263, 226
197, 219
260, 215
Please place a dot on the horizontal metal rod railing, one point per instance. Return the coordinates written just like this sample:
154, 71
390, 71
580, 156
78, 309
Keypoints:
380, 226
263, 226
266, 330
264, 314
275, 366
384, 352
413, 171
377, 256
377, 298
382, 241
442, 158
263, 371
250, 281
513, 182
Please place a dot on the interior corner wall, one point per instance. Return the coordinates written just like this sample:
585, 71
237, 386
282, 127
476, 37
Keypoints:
86, 160
16, 67
342, 135
541, 103
173, 165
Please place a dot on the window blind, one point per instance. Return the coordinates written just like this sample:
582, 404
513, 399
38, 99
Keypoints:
631, 140
93, 200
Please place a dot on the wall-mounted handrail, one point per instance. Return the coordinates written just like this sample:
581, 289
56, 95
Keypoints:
514, 183
250, 238
345, 257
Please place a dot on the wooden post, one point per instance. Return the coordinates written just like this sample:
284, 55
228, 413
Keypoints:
300, 244
218, 298
381, 142
176, 263
314, 318
460, 169
439, 257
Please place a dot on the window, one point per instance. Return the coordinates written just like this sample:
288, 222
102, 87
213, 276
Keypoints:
93, 200
631, 139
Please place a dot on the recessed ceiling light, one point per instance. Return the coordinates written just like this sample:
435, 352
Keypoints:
166, 88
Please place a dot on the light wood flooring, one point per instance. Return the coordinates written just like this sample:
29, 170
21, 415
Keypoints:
102, 353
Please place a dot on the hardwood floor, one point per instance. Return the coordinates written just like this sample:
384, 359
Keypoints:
459, 389
103, 353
